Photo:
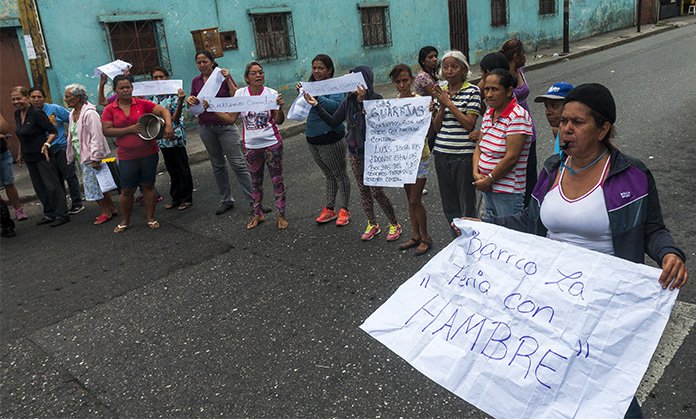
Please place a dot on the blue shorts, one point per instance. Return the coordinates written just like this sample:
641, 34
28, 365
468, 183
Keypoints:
142, 171
423, 168
6, 172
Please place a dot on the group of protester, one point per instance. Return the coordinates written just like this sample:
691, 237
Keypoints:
588, 192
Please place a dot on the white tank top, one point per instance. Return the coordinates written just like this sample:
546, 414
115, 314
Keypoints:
583, 221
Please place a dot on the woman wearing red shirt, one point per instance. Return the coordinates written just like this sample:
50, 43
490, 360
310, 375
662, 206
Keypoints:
137, 158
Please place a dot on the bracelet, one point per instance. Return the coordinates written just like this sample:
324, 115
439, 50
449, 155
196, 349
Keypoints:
491, 176
47, 144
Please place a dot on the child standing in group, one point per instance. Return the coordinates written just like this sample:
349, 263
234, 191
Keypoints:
351, 110
262, 144
402, 77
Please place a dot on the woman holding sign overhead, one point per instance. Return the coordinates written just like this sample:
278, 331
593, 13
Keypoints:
402, 77
263, 144
352, 111
598, 198
220, 137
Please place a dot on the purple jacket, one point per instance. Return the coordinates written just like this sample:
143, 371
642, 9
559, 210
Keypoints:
635, 216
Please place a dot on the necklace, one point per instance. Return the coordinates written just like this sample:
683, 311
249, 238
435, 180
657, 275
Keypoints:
572, 172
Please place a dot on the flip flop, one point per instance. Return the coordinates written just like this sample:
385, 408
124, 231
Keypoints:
258, 219
102, 219
184, 205
153, 224
120, 228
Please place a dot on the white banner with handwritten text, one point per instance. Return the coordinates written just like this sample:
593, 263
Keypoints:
394, 140
343, 84
522, 326
259, 103
157, 87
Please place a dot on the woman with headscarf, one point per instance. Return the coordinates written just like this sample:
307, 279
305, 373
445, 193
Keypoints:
84, 126
351, 110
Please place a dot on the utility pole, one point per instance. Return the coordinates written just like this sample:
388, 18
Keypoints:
566, 26
640, 10
31, 27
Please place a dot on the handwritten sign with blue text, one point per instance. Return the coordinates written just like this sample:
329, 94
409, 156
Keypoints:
522, 326
343, 84
259, 103
157, 87
394, 140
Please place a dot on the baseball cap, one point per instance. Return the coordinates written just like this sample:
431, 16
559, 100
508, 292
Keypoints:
557, 91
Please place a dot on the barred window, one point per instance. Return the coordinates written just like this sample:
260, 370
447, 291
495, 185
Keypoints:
376, 26
547, 7
274, 36
499, 13
141, 43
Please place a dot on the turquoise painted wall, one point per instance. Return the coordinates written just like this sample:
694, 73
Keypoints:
587, 17
77, 41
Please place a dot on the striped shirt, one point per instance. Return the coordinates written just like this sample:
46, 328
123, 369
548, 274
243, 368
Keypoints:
453, 138
514, 120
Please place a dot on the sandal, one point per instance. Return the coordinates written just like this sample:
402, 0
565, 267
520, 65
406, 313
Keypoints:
171, 205
410, 244
121, 228
153, 224
258, 219
281, 223
102, 219
184, 206
423, 247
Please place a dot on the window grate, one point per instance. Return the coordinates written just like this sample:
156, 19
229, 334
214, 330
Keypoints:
499, 13
274, 36
141, 43
547, 7
376, 26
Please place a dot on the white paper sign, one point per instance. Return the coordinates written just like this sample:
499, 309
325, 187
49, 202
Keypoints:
157, 87
105, 179
300, 108
29, 44
343, 84
209, 90
394, 140
260, 103
112, 69
522, 326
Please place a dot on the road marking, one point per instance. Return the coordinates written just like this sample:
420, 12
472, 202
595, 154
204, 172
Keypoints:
680, 324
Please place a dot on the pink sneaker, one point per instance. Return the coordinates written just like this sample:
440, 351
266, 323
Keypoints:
370, 232
326, 216
394, 232
343, 217
19, 213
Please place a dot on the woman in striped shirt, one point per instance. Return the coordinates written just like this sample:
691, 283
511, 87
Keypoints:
500, 159
460, 106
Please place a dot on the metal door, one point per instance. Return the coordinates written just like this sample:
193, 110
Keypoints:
14, 73
459, 34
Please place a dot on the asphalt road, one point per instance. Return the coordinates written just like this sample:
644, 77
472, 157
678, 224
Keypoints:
205, 318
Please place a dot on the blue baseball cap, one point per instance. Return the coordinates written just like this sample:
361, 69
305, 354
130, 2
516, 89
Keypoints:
557, 91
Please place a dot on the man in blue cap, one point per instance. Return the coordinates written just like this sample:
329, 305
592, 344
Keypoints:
553, 101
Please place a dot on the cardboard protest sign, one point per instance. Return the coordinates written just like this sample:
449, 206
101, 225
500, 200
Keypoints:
394, 140
522, 326
259, 103
343, 84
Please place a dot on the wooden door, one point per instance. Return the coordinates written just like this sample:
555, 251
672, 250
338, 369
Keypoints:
14, 73
458, 22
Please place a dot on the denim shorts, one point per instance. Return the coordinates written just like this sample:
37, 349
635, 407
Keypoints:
142, 171
6, 172
423, 169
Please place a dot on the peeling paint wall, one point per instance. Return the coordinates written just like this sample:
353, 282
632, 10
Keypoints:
587, 18
320, 26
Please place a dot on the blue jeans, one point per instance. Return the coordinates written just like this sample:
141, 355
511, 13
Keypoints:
502, 204
222, 142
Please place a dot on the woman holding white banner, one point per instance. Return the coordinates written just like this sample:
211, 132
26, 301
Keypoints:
85, 127
174, 151
219, 136
352, 111
460, 107
500, 158
328, 147
402, 77
598, 198
262, 144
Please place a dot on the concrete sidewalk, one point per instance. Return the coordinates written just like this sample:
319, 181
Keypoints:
535, 59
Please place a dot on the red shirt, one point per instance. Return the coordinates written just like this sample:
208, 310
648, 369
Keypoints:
130, 146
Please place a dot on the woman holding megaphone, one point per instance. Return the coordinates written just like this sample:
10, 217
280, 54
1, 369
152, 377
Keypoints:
137, 157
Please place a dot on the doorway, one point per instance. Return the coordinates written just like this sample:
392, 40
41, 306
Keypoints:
458, 22
14, 73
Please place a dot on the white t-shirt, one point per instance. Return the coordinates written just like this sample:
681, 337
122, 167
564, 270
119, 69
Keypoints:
259, 129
